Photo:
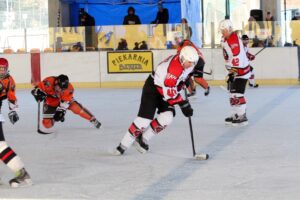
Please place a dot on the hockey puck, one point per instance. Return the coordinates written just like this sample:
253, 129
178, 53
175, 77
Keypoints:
201, 156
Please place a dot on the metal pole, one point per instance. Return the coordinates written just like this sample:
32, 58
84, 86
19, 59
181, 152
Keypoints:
285, 27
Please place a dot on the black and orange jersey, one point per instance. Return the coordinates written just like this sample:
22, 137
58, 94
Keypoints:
54, 96
8, 89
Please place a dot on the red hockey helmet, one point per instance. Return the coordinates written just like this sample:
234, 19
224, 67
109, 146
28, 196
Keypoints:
3, 67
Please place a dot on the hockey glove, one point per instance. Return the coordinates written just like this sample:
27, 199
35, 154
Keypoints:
13, 116
230, 78
186, 108
38, 94
59, 115
206, 92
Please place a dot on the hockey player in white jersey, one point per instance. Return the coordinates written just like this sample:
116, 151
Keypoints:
251, 57
161, 92
238, 67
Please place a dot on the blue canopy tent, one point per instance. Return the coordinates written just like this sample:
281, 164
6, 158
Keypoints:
112, 12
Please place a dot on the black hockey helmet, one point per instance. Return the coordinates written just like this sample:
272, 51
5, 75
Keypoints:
245, 37
62, 81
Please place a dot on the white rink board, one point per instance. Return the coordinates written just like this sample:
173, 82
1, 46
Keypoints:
91, 67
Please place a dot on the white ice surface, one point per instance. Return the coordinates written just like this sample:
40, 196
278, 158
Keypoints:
260, 161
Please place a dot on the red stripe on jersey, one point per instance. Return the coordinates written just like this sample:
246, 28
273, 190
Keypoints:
234, 44
242, 71
174, 71
7, 155
177, 100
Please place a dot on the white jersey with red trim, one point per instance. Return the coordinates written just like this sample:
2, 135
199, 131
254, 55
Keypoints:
169, 77
235, 56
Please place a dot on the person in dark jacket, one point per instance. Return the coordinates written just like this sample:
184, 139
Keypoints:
162, 16
131, 18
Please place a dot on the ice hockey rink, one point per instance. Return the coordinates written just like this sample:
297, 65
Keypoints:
260, 161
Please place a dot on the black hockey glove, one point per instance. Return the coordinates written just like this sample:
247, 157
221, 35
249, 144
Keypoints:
13, 116
230, 78
59, 115
206, 92
38, 94
186, 108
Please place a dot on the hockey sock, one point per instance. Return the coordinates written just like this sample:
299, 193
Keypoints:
10, 158
135, 129
78, 109
238, 103
202, 82
157, 125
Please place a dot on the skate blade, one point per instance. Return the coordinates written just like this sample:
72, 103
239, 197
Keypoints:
240, 124
228, 123
139, 148
26, 183
116, 153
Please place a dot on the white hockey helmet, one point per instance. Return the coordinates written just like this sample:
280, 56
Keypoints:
190, 54
225, 24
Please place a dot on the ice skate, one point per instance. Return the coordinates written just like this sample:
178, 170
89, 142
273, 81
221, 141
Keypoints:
192, 93
21, 180
96, 123
240, 120
119, 150
140, 145
253, 85
228, 120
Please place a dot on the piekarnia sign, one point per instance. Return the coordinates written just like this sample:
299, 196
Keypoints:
130, 62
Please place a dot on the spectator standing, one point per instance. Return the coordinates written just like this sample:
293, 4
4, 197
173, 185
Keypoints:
187, 30
270, 24
162, 16
131, 18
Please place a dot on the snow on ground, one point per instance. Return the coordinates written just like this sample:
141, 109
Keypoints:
259, 161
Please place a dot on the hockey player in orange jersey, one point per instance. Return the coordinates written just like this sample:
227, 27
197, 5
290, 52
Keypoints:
199, 68
57, 94
7, 154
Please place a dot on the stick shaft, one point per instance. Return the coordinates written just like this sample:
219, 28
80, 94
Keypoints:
191, 128
260, 51
38, 116
192, 136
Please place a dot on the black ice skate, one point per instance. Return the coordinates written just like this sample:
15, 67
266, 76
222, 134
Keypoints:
21, 180
96, 123
240, 120
140, 145
253, 86
119, 150
193, 93
228, 120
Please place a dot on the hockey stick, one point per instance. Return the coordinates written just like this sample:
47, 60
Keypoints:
196, 156
203, 72
38, 121
260, 51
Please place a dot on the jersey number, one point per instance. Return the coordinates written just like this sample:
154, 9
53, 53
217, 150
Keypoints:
235, 61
